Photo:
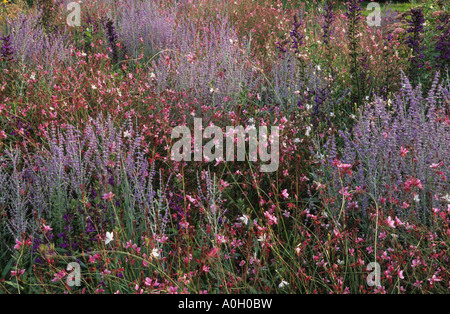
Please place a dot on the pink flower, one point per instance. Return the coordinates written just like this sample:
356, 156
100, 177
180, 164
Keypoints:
205, 268
221, 239
344, 192
272, 218
343, 168
108, 196
46, 228
60, 275
149, 282
213, 253
184, 224
18, 244
403, 151
435, 166
433, 279
412, 182
390, 222
285, 193
398, 221
17, 273
224, 184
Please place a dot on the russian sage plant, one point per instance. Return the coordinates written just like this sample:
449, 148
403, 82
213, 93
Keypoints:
104, 166
397, 152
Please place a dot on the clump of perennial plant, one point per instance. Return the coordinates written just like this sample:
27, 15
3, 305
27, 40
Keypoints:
396, 157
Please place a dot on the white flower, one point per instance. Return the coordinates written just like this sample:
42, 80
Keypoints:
109, 237
331, 114
297, 140
152, 75
126, 134
416, 198
262, 238
282, 284
94, 87
244, 219
446, 198
308, 130
155, 253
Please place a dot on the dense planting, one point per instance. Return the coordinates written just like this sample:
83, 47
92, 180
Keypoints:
87, 114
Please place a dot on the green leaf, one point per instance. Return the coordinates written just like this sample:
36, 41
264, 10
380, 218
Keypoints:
7, 268
14, 284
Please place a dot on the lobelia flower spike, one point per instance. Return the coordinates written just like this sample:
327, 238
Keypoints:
443, 43
7, 50
112, 40
415, 41
328, 18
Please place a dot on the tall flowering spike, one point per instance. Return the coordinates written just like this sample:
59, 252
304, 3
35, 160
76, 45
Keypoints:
396, 142
353, 15
112, 39
353, 9
281, 46
443, 43
415, 40
328, 18
7, 50
296, 35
